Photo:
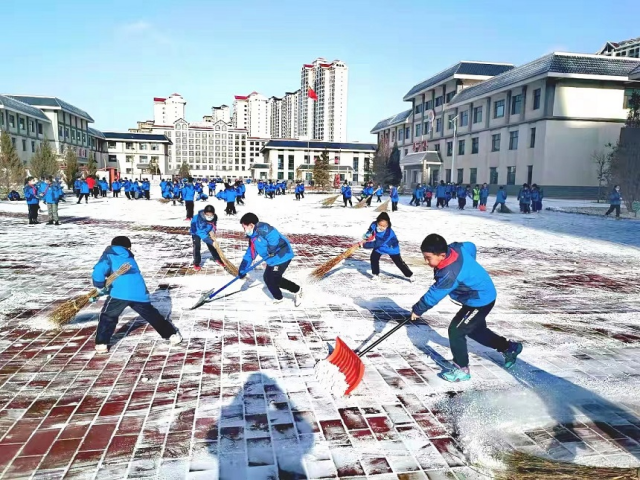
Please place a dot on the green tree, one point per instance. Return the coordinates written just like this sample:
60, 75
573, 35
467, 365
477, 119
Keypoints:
92, 165
44, 162
633, 119
380, 167
321, 171
184, 170
395, 172
625, 167
11, 167
72, 169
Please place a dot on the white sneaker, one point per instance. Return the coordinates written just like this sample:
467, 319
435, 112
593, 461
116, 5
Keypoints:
375, 278
175, 339
297, 299
102, 348
412, 278
277, 302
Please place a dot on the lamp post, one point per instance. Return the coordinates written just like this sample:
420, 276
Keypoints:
454, 121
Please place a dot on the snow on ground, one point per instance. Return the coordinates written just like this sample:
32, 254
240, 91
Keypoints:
239, 398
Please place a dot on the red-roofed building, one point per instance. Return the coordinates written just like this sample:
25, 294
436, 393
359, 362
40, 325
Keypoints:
167, 110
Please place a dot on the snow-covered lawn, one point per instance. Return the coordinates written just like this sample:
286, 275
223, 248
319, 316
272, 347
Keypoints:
238, 399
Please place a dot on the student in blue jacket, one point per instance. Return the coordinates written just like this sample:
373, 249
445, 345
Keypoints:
524, 196
146, 189
379, 192
484, 194
239, 187
615, 200
441, 194
76, 187
459, 275
128, 290
346, 194
266, 242
536, 198
176, 192
51, 196
382, 239
229, 196
395, 197
188, 193
84, 191
116, 186
260, 187
127, 188
203, 225
33, 200
212, 187
501, 198
461, 193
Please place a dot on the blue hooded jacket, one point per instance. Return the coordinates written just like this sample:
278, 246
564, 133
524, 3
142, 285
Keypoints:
524, 195
614, 198
264, 241
441, 191
212, 185
461, 191
146, 186
384, 243
393, 193
129, 286
188, 192
501, 196
52, 193
84, 187
461, 277
346, 191
484, 193
201, 227
127, 185
379, 192
31, 194
229, 195
116, 186
76, 184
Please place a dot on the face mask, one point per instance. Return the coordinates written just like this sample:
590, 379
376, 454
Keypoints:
617, 189
248, 232
208, 218
380, 229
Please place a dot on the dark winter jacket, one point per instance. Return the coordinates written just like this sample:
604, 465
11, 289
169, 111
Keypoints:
384, 243
129, 286
535, 195
461, 277
614, 198
268, 243
524, 195
201, 227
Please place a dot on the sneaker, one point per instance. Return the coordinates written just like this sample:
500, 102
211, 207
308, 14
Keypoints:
511, 354
175, 339
57, 223
197, 268
277, 302
375, 278
100, 348
456, 375
297, 299
412, 278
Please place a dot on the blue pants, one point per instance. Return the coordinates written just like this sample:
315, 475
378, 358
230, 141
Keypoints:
112, 309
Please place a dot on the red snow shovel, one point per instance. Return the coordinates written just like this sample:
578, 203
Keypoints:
348, 361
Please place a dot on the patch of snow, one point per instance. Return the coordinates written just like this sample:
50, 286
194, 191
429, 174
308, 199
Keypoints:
331, 378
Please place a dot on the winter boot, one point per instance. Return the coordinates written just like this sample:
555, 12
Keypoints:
57, 223
50, 222
511, 354
457, 374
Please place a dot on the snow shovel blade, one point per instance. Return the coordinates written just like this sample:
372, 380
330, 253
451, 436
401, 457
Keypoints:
202, 300
349, 363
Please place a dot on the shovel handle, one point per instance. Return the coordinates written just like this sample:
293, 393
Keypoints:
384, 337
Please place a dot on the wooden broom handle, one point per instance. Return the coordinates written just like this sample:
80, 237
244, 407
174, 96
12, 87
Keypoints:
124, 268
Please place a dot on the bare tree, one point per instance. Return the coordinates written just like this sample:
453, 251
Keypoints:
625, 166
602, 161
321, 171
381, 164
11, 167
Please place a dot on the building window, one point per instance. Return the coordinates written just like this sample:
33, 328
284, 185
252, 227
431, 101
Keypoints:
12, 121
464, 119
291, 162
460, 173
495, 142
461, 145
511, 175
129, 146
428, 105
439, 101
129, 159
24, 145
473, 176
475, 145
532, 138
436, 147
280, 162
493, 175
450, 95
33, 146
498, 109
516, 104
418, 130
449, 149
450, 121
477, 115
111, 144
529, 174
448, 175
154, 146
537, 94
407, 133
513, 140
143, 146
32, 126
356, 164
21, 123
113, 158
40, 129
418, 108
438, 125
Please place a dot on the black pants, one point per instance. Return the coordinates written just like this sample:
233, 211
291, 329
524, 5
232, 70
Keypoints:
127, 194
379, 199
475, 203
189, 206
302, 194
147, 194
76, 192
211, 192
462, 201
525, 208
345, 199
397, 259
112, 309
33, 213
103, 193
428, 200
612, 208
297, 196
472, 322
96, 192
197, 241
116, 193
414, 199
231, 208
441, 202
394, 206
239, 200
273, 278
369, 200
86, 197
495, 205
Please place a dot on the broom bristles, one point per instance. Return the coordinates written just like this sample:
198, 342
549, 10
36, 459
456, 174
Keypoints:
383, 207
229, 267
68, 310
325, 268
329, 201
524, 466
362, 202
164, 200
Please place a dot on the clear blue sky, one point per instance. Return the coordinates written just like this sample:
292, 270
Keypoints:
111, 58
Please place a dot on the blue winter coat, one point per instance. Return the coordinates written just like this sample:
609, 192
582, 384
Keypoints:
346, 191
104, 185
441, 191
84, 187
524, 195
31, 195
188, 192
484, 193
266, 241
166, 191
501, 196
379, 192
77, 184
242, 188
146, 186
614, 198
129, 286
212, 186
461, 192
384, 243
535, 195
127, 186
52, 194
176, 190
367, 191
394, 194
461, 277
42, 186
260, 185
201, 227
116, 186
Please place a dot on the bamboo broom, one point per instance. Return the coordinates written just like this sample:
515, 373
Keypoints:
327, 202
164, 200
68, 310
524, 466
325, 268
362, 202
383, 207
228, 266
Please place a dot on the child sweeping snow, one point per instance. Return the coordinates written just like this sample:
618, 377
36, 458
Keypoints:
128, 290
266, 241
459, 275
382, 239
202, 225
